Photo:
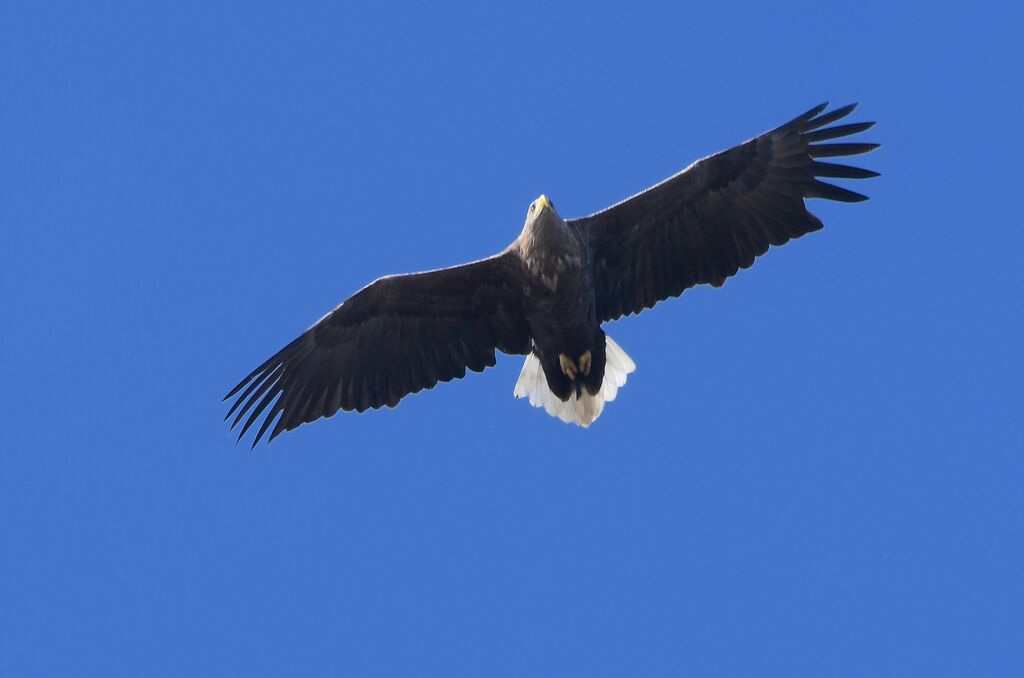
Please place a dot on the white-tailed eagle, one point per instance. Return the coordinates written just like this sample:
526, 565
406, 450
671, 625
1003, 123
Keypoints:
548, 293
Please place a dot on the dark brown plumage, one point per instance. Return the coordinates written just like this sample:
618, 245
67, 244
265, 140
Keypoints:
548, 293
717, 215
396, 336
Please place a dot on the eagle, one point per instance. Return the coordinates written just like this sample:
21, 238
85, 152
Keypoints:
547, 295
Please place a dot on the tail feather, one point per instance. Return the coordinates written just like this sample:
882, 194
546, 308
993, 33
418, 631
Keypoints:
585, 408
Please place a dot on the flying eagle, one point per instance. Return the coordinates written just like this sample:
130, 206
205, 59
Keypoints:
548, 293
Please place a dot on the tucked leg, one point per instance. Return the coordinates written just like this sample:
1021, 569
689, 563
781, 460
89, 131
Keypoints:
568, 366
585, 363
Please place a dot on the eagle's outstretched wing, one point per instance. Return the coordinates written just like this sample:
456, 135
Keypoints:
717, 215
396, 336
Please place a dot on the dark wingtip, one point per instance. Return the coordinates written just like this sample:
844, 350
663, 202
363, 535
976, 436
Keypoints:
827, 169
829, 117
805, 116
271, 416
844, 111
821, 189
837, 131
840, 149
242, 383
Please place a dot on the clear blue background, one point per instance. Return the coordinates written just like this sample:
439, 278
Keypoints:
816, 470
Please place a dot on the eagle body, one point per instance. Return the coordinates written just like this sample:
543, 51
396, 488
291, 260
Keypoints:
558, 298
548, 294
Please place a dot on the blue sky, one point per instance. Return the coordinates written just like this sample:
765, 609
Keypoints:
816, 470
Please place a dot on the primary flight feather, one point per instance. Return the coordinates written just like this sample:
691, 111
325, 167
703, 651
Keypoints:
548, 293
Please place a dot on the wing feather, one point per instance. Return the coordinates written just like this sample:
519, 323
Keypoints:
396, 336
720, 213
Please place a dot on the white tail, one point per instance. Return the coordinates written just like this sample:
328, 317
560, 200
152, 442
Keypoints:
583, 410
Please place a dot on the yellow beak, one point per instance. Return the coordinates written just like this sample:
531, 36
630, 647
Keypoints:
543, 203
